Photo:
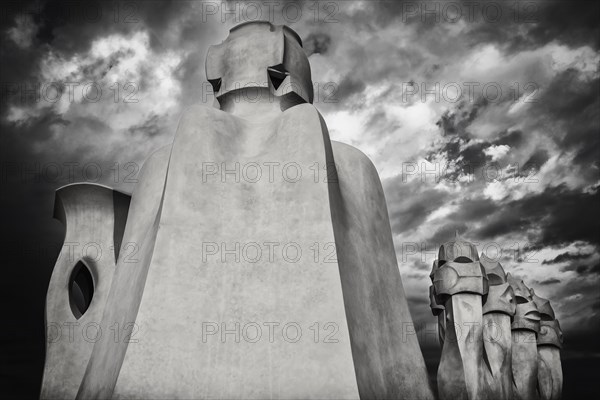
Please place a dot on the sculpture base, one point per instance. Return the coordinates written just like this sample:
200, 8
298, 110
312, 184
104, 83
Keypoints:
524, 364
550, 378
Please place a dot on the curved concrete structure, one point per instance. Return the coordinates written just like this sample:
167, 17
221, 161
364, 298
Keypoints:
94, 217
525, 327
260, 269
387, 358
498, 312
460, 283
549, 342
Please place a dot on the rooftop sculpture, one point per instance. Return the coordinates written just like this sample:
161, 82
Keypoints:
186, 307
549, 344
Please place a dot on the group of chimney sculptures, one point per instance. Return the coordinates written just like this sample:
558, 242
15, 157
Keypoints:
499, 339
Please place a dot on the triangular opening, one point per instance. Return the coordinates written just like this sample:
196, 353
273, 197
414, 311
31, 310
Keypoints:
277, 75
216, 84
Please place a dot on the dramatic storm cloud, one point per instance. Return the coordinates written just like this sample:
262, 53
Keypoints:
482, 119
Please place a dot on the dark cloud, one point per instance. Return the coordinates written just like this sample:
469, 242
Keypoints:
410, 203
316, 43
455, 126
561, 216
551, 281
350, 86
70, 26
537, 160
515, 26
526, 25
574, 23
513, 138
564, 257
468, 156
472, 155
448, 232
573, 101
568, 95
151, 126
583, 269
580, 269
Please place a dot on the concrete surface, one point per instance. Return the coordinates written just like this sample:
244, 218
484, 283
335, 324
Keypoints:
524, 364
498, 310
387, 357
549, 342
94, 217
255, 268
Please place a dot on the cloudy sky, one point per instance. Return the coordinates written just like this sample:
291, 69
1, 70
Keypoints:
481, 118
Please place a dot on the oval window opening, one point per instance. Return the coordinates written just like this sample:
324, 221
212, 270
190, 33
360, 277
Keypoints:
463, 260
81, 289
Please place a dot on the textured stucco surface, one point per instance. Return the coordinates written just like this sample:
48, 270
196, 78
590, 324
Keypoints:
166, 293
128, 284
186, 287
88, 213
387, 357
252, 269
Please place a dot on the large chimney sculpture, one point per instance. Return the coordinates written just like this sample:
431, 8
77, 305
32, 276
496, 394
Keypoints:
254, 258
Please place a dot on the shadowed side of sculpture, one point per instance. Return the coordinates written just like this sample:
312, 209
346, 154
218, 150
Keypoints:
437, 309
525, 328
387, 358
498, 311
549, 344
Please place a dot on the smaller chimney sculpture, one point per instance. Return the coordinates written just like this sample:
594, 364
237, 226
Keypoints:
498, 311
549, 343
525, 327
460, 284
